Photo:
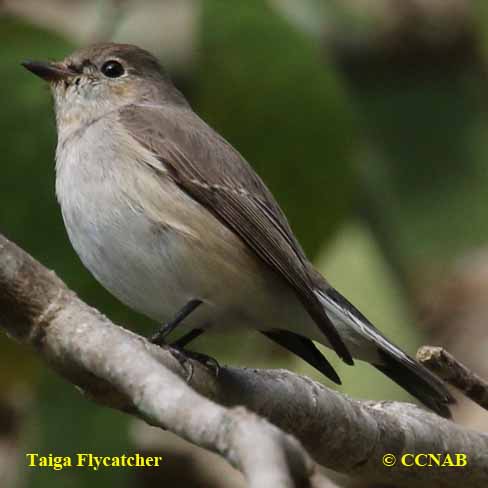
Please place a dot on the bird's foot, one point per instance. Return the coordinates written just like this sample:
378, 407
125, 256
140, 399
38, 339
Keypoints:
209, 362
185, 363
183, 357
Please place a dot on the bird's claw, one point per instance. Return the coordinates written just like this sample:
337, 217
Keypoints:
183, 357
207, 361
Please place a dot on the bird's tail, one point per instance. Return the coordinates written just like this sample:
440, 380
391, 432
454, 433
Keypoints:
390, 359
417, 380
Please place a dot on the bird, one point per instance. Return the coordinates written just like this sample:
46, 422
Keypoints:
172, 220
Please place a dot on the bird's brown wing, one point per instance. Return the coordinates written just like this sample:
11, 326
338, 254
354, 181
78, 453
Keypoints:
209, 169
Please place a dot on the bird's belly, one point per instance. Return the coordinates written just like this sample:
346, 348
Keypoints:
158, 274
157, 267
156, 270
141, 267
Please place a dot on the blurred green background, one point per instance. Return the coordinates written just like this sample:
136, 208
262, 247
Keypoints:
368, 121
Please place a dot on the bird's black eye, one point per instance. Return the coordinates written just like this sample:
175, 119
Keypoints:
112, 69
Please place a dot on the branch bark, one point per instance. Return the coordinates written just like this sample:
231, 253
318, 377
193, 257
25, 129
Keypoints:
121, 369
447, 367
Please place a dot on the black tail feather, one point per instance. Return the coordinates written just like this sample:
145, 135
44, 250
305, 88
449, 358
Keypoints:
304, 348
418, 381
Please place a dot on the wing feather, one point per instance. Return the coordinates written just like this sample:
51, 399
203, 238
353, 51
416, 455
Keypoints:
209, 169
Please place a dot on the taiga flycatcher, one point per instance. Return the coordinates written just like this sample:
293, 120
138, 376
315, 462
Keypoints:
173, 221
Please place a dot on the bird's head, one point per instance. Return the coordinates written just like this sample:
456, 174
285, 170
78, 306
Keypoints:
102, 78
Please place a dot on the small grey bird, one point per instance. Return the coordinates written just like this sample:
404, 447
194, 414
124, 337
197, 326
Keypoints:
174, 222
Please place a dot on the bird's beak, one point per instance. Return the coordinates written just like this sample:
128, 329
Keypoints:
48, 71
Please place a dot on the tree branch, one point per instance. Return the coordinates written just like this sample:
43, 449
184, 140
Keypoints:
447, 367
121, 369
82, 345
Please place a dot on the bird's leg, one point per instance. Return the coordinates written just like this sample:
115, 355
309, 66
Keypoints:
187, 338
178, 346
166, 329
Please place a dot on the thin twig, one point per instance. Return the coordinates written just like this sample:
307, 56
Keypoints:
447, 367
